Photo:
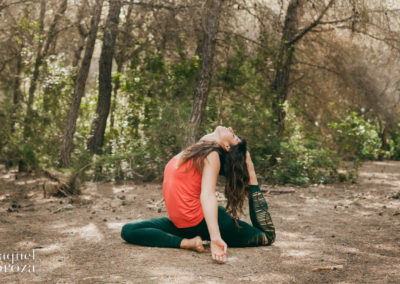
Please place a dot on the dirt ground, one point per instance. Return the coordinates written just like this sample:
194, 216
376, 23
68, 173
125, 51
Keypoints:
339, 233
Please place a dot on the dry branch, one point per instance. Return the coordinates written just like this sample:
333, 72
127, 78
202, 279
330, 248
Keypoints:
333, 267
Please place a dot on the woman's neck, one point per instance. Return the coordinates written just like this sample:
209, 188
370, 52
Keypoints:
210, 137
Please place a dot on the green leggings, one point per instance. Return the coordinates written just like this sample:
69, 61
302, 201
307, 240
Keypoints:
161, 232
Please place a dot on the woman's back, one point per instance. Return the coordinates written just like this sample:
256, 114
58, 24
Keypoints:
181, 190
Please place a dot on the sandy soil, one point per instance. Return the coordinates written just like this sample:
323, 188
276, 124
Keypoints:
339, 233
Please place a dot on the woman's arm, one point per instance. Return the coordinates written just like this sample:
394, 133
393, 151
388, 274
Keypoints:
250, 168
209, 204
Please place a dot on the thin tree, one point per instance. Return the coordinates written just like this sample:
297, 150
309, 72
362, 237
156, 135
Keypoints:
79, 91
96, 139
42, 52
16, 87
290, 36
83, 33
212, 13
121, 57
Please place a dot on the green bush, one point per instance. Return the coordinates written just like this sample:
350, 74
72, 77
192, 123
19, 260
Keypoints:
356, 138
394, 143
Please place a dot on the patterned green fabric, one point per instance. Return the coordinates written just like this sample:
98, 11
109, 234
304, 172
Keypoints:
259, 213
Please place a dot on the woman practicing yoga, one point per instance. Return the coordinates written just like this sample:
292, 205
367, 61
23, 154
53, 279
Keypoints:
190, 180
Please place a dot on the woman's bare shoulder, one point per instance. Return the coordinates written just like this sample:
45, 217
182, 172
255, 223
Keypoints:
179, 155
213, 158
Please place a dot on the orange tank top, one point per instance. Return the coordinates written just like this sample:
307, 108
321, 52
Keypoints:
181, 190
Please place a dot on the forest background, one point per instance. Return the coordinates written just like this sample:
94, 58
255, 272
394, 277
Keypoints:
111, 90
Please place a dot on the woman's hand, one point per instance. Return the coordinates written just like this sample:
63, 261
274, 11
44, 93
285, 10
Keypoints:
218, 250
250, 168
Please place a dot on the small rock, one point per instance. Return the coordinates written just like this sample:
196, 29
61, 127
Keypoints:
105, 220
380, 213
123, 203
61, 202
396, 196
396, 213
122, 197
335, 206
12, 209
384, 206
93, 212
118, 218
333, 236
159, 210
113, 210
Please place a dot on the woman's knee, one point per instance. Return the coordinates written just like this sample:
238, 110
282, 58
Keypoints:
128, 230
124, 231
222, 214
221, 209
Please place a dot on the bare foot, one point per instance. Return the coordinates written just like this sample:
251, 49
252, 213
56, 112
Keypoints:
195, 244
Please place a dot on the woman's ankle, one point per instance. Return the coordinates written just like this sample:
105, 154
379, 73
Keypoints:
195, 243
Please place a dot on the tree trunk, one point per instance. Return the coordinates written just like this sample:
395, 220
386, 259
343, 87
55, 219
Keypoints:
384, 145
114, 99
96, 139
16, 91
212, 11
82, 33
290, 36
67, 144
280, 84
120, 59
41, 54
35, 75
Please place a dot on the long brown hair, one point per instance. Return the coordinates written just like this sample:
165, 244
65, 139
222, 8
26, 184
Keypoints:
233, 167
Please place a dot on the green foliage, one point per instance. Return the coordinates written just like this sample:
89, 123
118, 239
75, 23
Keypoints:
243, 101
151, 116
150, 119
47, 123
295, 158
356, 138
394, 143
